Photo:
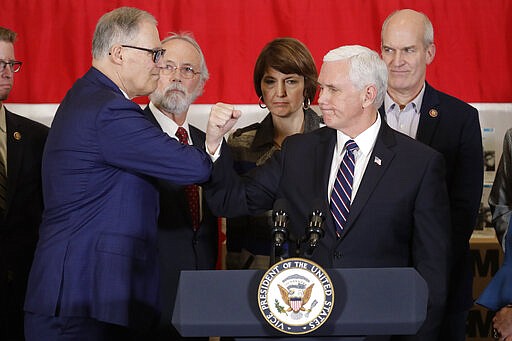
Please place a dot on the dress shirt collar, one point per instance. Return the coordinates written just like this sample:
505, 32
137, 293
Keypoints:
167, 124
124, 94
390, 105
365, 141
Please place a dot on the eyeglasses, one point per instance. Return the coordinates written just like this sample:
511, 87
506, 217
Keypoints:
14, 65
157, 53
186, 72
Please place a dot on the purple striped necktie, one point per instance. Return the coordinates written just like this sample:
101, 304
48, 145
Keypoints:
342, 191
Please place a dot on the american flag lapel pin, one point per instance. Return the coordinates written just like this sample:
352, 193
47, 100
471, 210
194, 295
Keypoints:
377, 160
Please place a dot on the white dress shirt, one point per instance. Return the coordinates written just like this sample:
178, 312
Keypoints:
365, 142
167, 124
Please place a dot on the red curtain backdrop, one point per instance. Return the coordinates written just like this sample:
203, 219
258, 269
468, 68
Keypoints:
473, 38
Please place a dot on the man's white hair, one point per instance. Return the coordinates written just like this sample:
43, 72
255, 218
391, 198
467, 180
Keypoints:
366, 67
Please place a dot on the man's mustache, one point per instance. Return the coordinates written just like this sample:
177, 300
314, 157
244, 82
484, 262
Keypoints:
176, 86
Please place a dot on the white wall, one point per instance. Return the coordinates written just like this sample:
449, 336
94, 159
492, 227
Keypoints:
198, 113
489, 113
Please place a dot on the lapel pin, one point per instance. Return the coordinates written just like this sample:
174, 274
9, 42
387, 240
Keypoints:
433, 113
17, 135
377, 160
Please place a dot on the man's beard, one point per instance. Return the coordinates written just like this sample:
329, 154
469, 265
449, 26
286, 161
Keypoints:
176, 102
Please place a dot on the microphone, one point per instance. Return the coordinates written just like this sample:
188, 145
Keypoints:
315, 230
280, 218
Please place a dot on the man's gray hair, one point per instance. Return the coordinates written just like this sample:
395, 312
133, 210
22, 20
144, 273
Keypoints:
188, 37
366, 67
119, 26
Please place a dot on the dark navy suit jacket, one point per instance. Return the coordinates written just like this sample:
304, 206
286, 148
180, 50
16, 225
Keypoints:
451, 127
399, 216
97, 253
180, 247
19, 226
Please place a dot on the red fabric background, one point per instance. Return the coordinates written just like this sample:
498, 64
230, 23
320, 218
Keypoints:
473, 38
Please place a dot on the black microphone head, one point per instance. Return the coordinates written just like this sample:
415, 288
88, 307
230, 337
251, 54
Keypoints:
280, 218
318, 211
316, 219
280, 212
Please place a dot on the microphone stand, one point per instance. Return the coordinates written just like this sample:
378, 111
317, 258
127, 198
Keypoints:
279, 237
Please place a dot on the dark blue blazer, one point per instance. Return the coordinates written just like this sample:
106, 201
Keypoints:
180, 247
97, 250
19, 226
399, 217
451, 127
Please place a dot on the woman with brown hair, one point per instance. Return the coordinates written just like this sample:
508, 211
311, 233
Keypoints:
285, 81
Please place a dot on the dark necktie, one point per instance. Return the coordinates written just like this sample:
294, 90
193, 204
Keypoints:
191, 191
3, 188
342, 190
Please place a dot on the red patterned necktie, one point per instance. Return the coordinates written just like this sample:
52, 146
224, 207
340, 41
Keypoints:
191, 191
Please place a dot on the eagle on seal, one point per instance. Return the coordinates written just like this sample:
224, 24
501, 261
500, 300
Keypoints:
296, 298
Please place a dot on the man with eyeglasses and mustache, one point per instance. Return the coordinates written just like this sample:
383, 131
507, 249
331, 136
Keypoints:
95, 274
186, 226
21, 199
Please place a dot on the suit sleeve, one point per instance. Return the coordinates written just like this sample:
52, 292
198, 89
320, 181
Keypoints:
129, 140
500, 199
231, 195
467, 183
431, 240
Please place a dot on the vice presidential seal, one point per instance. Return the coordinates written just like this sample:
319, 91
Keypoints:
296, 296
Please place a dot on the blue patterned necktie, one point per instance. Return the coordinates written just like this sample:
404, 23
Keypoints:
342, 190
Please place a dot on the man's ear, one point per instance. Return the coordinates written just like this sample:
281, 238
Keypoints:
370, 93
115, 54
431, 52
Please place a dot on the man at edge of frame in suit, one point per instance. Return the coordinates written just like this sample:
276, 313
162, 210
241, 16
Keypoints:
446, 124
21, 199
